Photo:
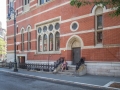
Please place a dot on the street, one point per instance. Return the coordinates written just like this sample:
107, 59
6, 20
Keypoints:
13, 82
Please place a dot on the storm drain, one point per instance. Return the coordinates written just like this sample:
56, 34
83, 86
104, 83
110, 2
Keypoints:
113, 84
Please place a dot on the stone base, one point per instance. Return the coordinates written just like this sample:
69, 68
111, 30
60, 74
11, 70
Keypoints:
82, 70
57, 69
103, 68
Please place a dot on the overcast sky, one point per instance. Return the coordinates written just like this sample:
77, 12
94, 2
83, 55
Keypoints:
3, 13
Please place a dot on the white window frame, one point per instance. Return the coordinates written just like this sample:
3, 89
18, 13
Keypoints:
72, 24
29, 38
22, 39
45, 1
27, 6
96, 27
47, 33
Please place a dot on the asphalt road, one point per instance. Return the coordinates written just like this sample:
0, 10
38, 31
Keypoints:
13, 82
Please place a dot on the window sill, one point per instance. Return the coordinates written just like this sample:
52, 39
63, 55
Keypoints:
99, 45
49, 52
25, 11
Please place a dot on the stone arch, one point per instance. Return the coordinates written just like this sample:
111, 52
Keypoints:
99, 10
96, 6
28, 28
74, 41
22, 29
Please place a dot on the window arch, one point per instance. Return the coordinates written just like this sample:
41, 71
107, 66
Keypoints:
51, 42
48, 37
98, 25
45, 42
98, 14
57, 41
22, 40
29, 38
40, 43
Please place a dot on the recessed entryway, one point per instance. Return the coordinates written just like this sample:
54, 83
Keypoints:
75, 44
76, 55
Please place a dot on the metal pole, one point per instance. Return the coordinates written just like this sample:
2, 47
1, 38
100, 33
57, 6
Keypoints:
15, 63
48, 63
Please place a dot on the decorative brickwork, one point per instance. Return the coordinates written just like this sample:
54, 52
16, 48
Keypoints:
83, 37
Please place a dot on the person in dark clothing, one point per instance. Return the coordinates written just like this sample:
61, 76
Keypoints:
10, 64
82, 60
61, 59
77, 66
56, 63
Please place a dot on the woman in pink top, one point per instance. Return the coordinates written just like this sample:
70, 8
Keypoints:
64, 65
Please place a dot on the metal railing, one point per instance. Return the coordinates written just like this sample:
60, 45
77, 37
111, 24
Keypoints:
38, 67
10, 65
31, 66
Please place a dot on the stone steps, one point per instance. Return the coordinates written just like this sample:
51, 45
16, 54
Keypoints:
71, 67
70, 71
65, 72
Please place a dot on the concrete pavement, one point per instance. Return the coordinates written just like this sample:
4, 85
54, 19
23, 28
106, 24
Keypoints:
90, 81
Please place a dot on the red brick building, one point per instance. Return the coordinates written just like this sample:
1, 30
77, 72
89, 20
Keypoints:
53, 28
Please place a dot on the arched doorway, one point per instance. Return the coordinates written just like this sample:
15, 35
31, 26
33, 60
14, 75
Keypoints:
75, 44
76, 52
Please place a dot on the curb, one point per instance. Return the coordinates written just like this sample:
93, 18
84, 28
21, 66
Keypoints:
58, 81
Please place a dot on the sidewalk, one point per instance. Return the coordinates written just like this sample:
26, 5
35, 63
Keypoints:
87, 80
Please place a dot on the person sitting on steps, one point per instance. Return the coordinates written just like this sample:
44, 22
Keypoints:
82, 60
64, 66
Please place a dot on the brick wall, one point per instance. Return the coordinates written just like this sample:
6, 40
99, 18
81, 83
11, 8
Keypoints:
111, 36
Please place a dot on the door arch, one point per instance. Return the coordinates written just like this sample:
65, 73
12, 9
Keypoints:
75, 44
72, 39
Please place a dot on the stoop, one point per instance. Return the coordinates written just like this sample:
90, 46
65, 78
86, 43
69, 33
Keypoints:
70, 71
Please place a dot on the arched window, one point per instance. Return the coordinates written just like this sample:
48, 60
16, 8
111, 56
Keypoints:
48, 37
29, 38
57, 41
99, 25
40, 43
22, 40
99, 17
45, 42
51, 42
